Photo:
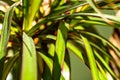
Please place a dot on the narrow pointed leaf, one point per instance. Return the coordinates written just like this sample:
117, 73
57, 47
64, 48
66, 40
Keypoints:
105, 64
55, 15
40, 63
65, 8
104, 40
91, 59
32, 30
60, 50
102, 77
66, 69
8, 66
100, 49
29, 65
102, 72
75, 50
93, 5
51, 49
47, 60
2, 66
61, 42
55, 3
6, 29
30, 9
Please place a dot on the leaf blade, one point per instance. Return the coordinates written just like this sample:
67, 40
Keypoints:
5, 33
8, 66
30, 9
60, 50
91, 59
29, 65
75, 50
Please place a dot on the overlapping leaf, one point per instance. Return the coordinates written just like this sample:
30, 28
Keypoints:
30, 9
60, 50
92, 62
6, 30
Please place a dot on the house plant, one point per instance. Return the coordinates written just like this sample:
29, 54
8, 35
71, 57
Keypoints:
37, 37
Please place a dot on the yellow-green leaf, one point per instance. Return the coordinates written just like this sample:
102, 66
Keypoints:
60, 50
30, 9
91, 59
29, 64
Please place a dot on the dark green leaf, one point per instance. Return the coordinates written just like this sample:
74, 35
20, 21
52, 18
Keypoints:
6, 30
8, 66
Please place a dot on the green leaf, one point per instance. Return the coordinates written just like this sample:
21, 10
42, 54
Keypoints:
48, 67
105, 64
91, 59
100, 49
30, 9
2, 66
61, 42
92, 16
93, 5
67, 7
47, 60
75, 50
54, 15
46, 73
8, 66
60, 50
104, 40
66, 68
102, 77
40, 63
32, 30
29, 64
55, 3
51, 49
5, 33
102, 72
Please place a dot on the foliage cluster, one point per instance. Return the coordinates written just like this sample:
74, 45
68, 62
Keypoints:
38, 36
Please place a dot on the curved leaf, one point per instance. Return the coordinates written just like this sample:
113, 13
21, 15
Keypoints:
30, 9
47, 60
102, 72
66, 69
60, 50
29, 64
104, 40
91, 59
8, 66
105, 64
75, 49
6, 29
